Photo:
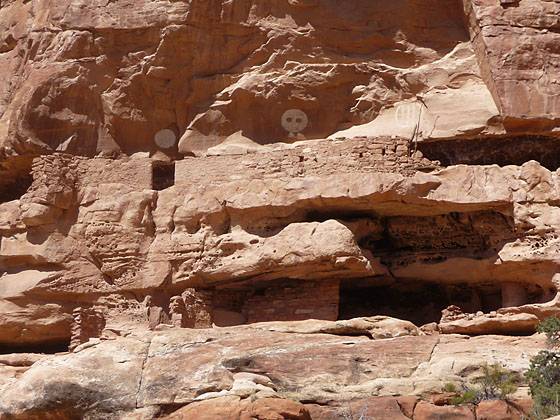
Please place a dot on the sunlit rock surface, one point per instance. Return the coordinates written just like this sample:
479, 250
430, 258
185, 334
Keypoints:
274, 208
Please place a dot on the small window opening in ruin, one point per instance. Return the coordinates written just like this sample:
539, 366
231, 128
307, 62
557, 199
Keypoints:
15, 180
259, 292
163, 175
422, 302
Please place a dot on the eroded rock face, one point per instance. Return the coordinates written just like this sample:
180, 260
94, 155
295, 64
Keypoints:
257, 55
273, 209
259, 244
238, 366
271, 246
234, 408
95, 77
517, 47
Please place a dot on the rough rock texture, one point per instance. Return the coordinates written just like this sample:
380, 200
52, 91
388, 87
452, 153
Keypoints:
260, 246
174, 367
517, 47
274, 208
234, 408
87, 77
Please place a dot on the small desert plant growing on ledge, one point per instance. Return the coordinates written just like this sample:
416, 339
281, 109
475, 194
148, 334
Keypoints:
495, 383
348, 414
544, 381
468, 396
551, 327
544, 372
450, 387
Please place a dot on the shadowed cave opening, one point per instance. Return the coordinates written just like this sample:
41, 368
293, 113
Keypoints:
421, 302
37, 348
400, 243
501, 151
418, 301
15, 179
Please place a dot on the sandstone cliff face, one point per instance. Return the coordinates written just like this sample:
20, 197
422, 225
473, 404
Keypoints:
302, 199
87, 77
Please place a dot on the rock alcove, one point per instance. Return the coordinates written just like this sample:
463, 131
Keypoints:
15, 179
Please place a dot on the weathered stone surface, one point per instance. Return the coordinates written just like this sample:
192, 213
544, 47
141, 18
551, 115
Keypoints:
374, 327
491, 324
249, 233
260, 202
33, 324
235, 363
147, 79
264, 53
516, 46
399, 408
427, 411
106, 377
231, 408
498, 410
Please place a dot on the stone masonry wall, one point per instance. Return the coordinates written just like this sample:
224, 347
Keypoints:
136, 172
311, 158
321, 157
294, 302
58, 171
88, 323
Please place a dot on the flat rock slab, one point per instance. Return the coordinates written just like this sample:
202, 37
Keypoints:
178, 367
317, 366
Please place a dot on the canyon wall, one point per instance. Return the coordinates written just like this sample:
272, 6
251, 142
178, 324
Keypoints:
273, 206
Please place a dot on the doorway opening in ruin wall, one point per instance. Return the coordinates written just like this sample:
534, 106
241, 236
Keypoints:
163, 175
500, 151
422, 302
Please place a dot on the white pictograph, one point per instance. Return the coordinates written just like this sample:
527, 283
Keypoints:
409, 114
294, 121
165, 138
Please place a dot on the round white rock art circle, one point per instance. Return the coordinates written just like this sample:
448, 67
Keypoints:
294, 121
165, 138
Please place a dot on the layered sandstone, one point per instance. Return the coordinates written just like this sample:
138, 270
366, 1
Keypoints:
152, 374
245, 233
274, 209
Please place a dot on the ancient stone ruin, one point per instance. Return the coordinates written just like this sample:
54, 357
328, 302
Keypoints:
275, 209
88, 323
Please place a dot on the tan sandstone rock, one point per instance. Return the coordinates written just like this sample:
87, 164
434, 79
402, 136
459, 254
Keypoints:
497, 410
260, 208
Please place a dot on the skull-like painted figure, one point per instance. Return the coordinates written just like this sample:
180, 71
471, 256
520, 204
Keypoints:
294, 121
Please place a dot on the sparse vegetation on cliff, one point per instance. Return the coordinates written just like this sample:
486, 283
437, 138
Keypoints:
551, 327
495, 383
544, 372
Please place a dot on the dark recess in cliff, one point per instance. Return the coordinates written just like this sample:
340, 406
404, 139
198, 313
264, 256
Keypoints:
15, 178
501, 151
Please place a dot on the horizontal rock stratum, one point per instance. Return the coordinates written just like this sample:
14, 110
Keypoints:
274, 209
